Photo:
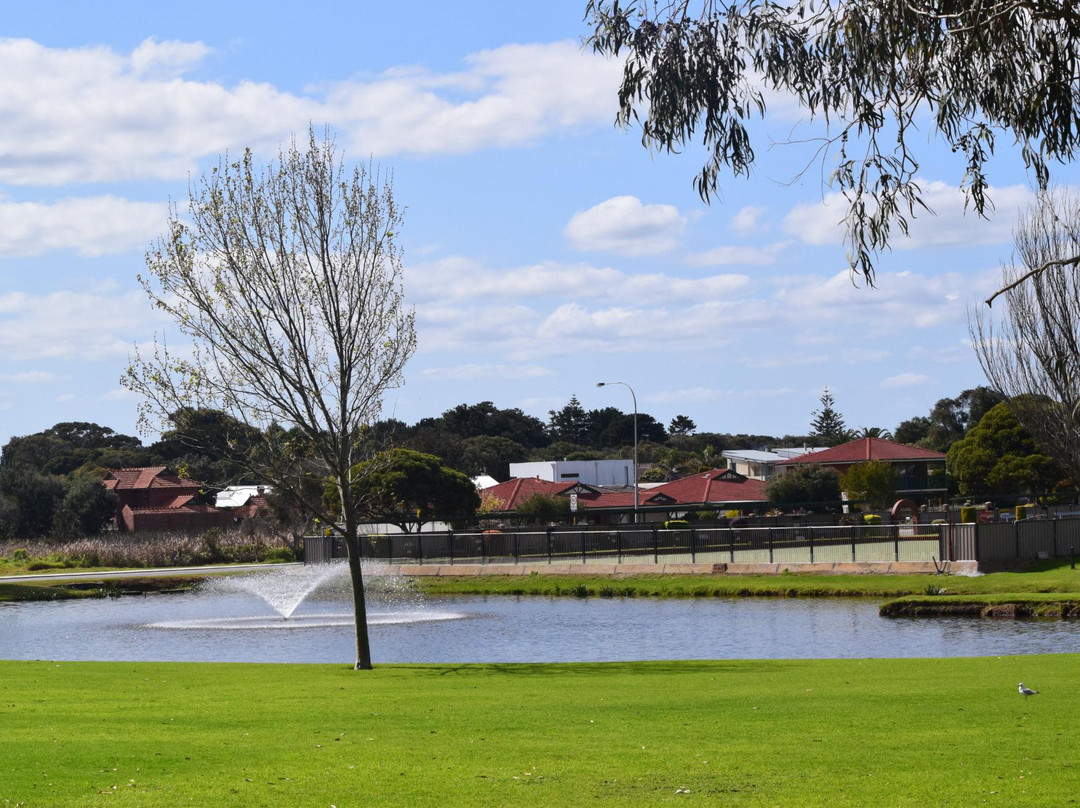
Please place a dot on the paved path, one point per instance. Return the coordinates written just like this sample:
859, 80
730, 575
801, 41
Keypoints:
156, 572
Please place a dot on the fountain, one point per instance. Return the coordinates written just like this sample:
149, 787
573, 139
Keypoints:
287, 589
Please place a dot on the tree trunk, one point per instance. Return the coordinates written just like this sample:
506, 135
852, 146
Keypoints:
356, 577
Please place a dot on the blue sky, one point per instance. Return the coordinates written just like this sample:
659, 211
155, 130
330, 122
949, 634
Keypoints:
545, 250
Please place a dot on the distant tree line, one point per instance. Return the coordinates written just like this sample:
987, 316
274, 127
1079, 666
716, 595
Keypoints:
50, 480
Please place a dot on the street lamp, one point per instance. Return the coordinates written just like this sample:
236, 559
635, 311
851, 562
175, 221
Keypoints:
633, 396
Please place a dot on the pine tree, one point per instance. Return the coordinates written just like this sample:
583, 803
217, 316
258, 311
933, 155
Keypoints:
827, 423
570, 424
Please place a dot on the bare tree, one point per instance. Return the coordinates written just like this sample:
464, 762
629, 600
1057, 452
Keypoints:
1030, 349
287, 282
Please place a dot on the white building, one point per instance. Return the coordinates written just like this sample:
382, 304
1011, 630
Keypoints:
589, 472
759, 465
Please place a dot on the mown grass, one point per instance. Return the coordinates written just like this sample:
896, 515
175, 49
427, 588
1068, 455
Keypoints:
1050, 577
948, 732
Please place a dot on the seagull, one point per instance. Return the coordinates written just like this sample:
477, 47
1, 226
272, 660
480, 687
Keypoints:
1027, 691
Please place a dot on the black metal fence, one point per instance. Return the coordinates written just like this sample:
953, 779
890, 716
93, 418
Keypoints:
650, 544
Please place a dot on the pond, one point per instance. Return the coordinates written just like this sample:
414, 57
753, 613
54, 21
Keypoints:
222, 622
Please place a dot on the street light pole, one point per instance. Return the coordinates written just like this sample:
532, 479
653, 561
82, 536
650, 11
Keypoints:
634, 397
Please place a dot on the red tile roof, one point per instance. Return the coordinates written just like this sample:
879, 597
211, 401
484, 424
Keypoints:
145, 477
863, 449
512, 493
718, 485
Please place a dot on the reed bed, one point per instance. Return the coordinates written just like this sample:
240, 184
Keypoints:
145, 550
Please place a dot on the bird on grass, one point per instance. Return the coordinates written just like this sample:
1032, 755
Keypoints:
1027, 691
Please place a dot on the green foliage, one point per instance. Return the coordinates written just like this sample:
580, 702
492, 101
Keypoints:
541, 509
570, 424
873, 482
804, 485
999, 458
968, 514
682, 425
827, 423
408, 489
492, 455
868, 69
871, 519
949, 420
86, 507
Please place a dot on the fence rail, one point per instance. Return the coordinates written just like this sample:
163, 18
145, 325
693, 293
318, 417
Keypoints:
643, 543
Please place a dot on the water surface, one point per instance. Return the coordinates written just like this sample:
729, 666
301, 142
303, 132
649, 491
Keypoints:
239, 627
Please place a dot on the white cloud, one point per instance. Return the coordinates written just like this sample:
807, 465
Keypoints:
744, 255
477, 371
119, 394
747, 220
167, 59
948, 225
28, 377
90, 226
459, 278
625, 226
859, 356
95, 115
900, 302
905, 380
72, 325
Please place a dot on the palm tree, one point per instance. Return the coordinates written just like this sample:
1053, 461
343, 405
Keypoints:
873, 432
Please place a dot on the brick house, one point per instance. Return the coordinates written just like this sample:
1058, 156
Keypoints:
921, 472
719, 488
153, 498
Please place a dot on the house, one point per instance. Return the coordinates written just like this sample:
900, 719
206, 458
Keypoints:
590, 472
153, 498
711, 490
716, 489
921, 471
758, 464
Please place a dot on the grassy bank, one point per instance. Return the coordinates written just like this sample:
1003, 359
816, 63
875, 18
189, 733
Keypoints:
950, 732
1053, 577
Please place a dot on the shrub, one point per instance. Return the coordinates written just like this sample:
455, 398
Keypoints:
872, 519
967, 513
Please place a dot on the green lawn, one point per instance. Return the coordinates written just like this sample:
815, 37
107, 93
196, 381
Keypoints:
949, 732
1052, 576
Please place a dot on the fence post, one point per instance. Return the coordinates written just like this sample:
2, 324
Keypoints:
419, 546
655, 546
483, 550
513, 547
549, 543
581, 536
731, 543
450, 544
854, 532
810, 530
693, 545
1054, 523
770, 547
1016, 536
618, 546
975, 540
896, 542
